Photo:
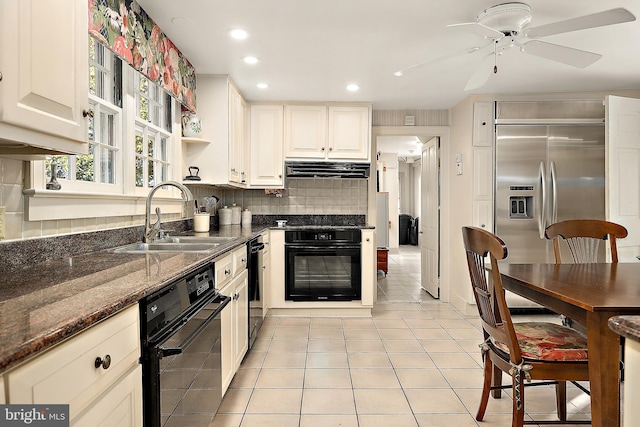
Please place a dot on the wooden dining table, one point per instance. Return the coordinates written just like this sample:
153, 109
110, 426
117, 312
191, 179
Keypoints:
589, 294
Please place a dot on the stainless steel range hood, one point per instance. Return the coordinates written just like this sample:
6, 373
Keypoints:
327, 170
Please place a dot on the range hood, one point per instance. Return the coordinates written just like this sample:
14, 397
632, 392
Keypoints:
327, 170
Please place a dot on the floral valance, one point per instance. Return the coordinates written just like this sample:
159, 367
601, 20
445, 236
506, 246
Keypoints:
130, 33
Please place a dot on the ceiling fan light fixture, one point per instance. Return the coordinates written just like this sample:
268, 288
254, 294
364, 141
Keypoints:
509, 18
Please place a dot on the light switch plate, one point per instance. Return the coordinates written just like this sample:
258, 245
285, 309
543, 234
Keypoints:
3, 221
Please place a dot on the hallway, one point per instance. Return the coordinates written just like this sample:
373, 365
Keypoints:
416, 362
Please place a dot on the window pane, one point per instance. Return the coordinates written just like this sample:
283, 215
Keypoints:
139, 172
150, 147
62, 166
163, 149
143, 108
151, 175
107, 166
164, 171
91, 126
143, 84
109, 137
92, 79
84, 165
139, 143
156, 115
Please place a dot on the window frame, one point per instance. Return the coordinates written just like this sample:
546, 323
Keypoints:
80, 199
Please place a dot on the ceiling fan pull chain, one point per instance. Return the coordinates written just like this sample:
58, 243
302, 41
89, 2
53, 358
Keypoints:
495, 57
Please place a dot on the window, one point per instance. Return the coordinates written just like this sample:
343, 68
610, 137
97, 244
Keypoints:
152, 133
131, 137
131, 129
100, 165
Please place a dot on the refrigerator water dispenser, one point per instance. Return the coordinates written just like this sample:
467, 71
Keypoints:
521, 207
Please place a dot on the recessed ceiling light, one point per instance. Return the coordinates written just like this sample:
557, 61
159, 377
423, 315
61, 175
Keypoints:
353, 87
398, 73
262, 85
250, 60
238, 34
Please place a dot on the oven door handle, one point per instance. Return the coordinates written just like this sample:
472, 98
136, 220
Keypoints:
172, 351
333, 246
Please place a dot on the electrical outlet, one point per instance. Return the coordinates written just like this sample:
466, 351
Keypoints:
3, 221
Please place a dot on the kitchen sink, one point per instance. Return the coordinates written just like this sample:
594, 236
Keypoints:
141, 248
197, 239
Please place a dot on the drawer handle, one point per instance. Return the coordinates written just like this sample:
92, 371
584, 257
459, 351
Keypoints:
105, 363
87, 113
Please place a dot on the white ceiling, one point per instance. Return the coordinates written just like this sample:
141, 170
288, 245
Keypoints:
310, 50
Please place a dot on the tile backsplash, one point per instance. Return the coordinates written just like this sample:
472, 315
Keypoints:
302, 196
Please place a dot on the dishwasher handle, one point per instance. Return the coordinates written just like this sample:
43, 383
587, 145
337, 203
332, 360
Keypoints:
172, 351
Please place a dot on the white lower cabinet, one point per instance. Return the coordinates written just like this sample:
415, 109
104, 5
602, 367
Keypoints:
235, 328
369, 266
235, 317
96, 372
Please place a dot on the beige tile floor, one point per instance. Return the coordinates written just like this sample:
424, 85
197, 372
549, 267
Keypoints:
416, 362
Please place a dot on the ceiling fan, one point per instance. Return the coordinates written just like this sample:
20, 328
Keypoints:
506, 25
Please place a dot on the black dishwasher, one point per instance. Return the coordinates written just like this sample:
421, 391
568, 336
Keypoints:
181, 353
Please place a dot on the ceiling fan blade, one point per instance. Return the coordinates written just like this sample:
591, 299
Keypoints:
443, 58
566, 55
600, 19
479, 30
480, 77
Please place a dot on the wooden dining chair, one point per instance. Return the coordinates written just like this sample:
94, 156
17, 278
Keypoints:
583, 237
526, 351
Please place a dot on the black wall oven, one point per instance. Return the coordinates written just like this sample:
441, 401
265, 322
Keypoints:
323, 265
181, 359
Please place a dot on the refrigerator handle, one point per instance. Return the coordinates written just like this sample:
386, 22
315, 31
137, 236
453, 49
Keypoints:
542, 220
554, 194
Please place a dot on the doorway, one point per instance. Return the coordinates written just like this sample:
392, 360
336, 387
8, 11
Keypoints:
433, 205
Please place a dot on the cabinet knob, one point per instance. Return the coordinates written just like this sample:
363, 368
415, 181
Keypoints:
0, 76
330, 148
280, 176
243, 260
105, 363
367, 239
322, 149
87, 113
227, 272
484, 123
264, 267
233, 169
236, 296
482, 225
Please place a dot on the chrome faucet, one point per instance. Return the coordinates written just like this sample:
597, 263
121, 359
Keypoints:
151, 231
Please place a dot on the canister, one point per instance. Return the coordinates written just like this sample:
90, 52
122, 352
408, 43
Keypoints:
224, 215
236, 214
246, 218
201, 222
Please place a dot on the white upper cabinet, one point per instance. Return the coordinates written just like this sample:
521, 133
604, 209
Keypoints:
321, 132
237, 159
305, 131
265, 150
44, 66
349, 133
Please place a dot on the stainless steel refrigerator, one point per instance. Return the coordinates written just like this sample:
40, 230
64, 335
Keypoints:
550, 166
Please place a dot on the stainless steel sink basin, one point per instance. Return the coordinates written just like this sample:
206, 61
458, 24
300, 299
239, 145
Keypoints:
198, 239
141, 248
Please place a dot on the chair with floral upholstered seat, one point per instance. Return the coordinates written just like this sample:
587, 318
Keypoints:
526, 351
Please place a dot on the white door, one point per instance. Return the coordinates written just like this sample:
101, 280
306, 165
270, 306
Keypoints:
623, 171
430, 219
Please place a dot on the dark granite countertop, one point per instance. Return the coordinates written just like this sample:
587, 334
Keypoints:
627, 326
44, 303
